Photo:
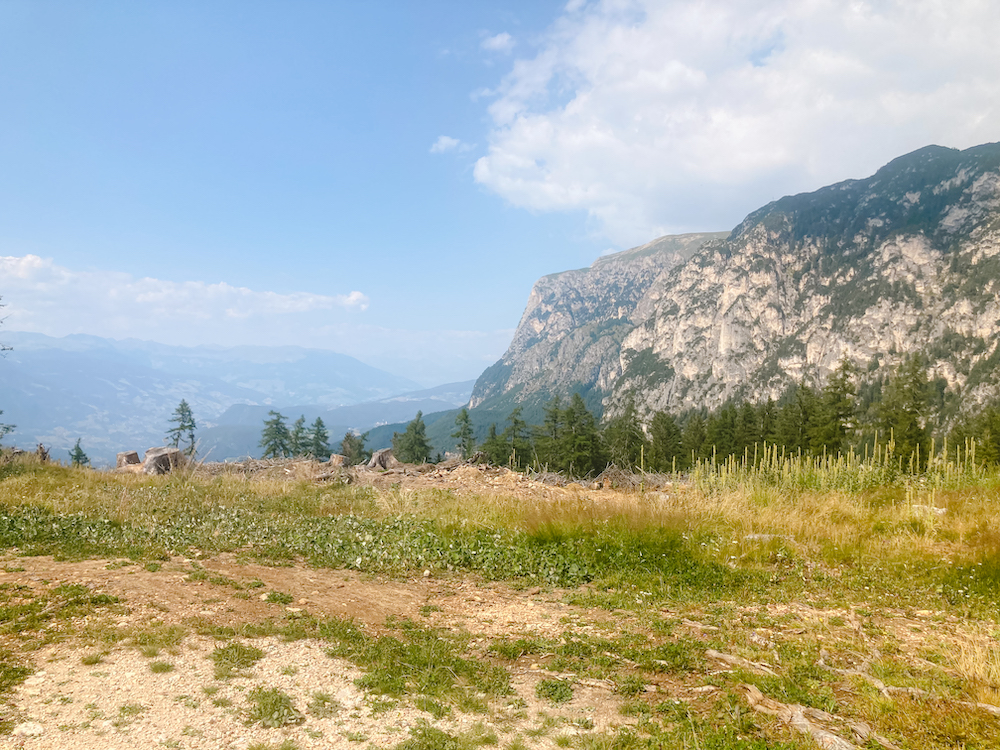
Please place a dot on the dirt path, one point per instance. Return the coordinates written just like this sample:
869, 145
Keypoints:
120, 703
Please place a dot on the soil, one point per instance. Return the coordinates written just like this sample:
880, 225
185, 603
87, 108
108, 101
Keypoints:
66, 704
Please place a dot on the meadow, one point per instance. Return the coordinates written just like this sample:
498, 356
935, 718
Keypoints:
786, 602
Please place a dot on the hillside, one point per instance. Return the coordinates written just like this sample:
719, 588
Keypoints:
905, 261
119, 395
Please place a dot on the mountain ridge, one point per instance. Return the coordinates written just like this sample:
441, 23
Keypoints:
906, 260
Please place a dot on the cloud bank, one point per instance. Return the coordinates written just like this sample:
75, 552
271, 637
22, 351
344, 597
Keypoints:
41, 296
656, 117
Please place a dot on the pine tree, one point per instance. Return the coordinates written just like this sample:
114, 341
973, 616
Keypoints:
515, 435
904, 408
466, 441
275, 438
298, 442
318, 439
581, 441
549, 435
665, 451
77, 457
835, 412
693, 438
412, 446
747, 431
352, 447
495, 449
184, 428
624, 438
5, 429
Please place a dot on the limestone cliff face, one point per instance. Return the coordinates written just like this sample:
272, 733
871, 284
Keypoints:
571, 330
907, 260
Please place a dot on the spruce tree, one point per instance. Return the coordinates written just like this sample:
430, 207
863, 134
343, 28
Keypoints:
665, 451
466, 441
835, 411
581, 441
548, 437
275, 438
495, 449
183, 429
693, 438
5, 429
624, 438
904, 409
515, 435
412, 446
352, 447
77, 457
298, 443
318, 439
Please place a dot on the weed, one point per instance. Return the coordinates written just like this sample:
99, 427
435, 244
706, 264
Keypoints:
322, 705
128, 713
285, 745
91, 659
557, 691
630, 686
160, 667
432, 707
270, 707
277, 597
232, 658
424, 737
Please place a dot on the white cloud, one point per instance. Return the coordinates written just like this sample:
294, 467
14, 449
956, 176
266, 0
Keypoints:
502, 42
47, 297
656, 117
41, 296
445, 143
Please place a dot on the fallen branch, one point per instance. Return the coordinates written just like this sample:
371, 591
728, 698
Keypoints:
739, 661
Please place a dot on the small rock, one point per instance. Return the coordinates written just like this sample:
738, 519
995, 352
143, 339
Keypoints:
28, 729
427, 574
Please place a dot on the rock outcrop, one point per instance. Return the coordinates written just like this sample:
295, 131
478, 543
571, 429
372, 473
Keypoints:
905, 261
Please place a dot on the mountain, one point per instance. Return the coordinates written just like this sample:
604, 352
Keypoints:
120, 395
905, 261
236, 432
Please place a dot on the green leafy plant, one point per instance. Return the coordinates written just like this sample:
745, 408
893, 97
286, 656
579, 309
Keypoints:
271, 707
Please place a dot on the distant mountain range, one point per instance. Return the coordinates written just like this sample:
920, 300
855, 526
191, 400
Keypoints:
120, 395
905, 261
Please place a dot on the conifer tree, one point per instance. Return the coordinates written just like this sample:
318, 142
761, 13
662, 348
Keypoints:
582, 447
693, 437
835, 413
466, 441
352, 447
298, 442
495, 449
549, 436
77, 457
275, 438
5, 429
624, 438
515, 435
183, 429
412, 446
665, 451
318, 439
904, 408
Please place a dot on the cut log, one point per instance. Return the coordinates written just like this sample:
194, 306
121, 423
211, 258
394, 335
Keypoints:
162, 460
384, 460
127, 459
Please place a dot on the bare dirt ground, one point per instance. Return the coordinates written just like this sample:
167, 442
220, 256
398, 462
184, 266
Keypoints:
67, 704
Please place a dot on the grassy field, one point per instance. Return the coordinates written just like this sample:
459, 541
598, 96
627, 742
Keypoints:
761, 604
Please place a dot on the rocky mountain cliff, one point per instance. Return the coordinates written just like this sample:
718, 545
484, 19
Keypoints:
907, 260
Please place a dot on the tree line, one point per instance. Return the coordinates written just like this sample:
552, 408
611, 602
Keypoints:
838, 417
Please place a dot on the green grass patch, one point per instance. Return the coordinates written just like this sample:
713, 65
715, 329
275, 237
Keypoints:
232, 658
555, 691
270, 707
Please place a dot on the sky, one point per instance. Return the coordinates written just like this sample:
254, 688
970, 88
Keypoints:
388, 179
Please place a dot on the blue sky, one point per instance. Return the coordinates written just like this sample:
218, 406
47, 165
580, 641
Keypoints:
388, 179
